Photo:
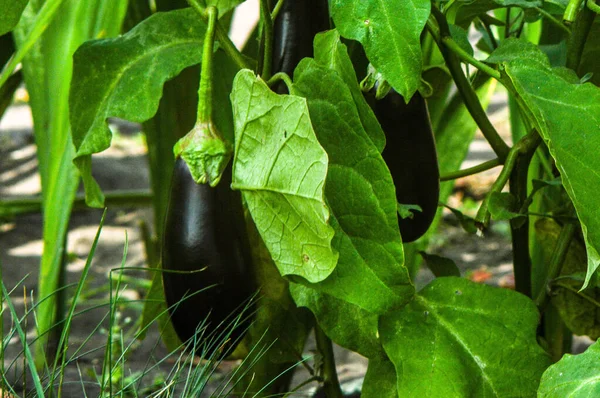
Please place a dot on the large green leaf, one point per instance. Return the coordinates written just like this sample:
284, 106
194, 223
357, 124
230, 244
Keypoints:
123, 77
567, 116
11, 13
390, 33
280, 168
458, 338
360, 194
380, 380
574, 376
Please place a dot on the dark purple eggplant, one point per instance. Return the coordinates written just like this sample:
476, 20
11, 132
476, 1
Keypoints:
204, 228
295, 27
411, 157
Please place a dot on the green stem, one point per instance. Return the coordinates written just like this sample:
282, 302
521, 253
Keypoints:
265, 15
280, 76
331, 383
223, 38
572, 10
579, 35
507, 23
276, 9
519, 229
464, 87
490, 33
558, 258
591, 4
14, 207
206, 71
466, 57
523, 146
42, 21
553, 20
490, 164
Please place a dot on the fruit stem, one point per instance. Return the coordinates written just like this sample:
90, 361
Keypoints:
206, 71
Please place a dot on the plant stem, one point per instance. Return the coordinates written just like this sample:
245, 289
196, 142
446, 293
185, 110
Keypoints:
280, 76
572, 10
466, 90
224, 41
490, 33
206, 71
490, 164
331, 383
519, 229
577, 292
265, 15
592, 6
579, 35
554, 20
558, 258
14, 207
276, 9
466, 57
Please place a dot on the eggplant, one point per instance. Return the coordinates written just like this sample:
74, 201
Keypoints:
411, 157
205, 232
294, 30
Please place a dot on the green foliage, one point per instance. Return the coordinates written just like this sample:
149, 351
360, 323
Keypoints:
11, 13
573, 376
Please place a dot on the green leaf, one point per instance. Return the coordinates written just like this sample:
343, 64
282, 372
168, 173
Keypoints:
331, 53
380, 380
360, 194
440, 266
567, 117
223, 6
458, 338
573, 376
577, 309
123, 77
464, 11
280, 168
503, 206
346, 324
390, 34
11, 13
591, 54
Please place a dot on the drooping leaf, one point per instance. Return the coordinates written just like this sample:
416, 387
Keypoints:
390, 33
503, 206
123, 77
577, 310
11, 13
331, 53
280, 168
567, 116
440, 266
574, 376
360, 194
457, 338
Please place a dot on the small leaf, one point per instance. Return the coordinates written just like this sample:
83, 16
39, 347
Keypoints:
223, 6
463, 12
573, 376
123, 77
440, 266
503, 206
466, 222
390, 34
280, 168
457, 338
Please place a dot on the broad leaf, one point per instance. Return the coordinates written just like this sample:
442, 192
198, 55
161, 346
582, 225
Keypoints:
11, 13
123, 77
574, 376
331, 53
591, 54
458, 338
280, 168
503, 206
380, 380
390, 33
567, 116
223, 6
360, 194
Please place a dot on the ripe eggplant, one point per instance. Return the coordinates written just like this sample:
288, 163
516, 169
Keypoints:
295, 27
204, 230
411, 157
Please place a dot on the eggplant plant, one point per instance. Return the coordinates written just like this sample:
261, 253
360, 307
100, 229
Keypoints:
343, 125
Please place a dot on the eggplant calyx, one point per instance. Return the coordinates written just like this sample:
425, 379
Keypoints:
205, 152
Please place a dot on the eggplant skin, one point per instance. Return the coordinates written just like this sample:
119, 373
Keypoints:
411, 157
294, 30
205, 227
